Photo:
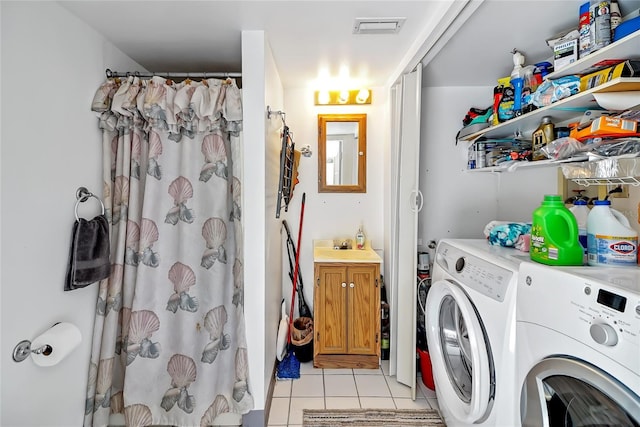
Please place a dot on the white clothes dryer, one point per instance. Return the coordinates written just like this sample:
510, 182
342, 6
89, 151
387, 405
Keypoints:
470, 319
578, 347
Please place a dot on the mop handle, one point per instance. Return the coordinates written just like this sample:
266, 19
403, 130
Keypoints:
295, 270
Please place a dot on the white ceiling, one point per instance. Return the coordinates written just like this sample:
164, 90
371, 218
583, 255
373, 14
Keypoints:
307, 36
480, 51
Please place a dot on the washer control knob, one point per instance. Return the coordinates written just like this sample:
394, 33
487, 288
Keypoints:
603, 334
460, 264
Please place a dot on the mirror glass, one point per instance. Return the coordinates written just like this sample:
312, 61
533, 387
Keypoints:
342, 155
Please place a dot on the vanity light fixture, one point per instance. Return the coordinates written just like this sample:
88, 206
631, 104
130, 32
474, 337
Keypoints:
343, 97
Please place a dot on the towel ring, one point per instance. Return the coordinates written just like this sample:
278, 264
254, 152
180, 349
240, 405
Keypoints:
82, 195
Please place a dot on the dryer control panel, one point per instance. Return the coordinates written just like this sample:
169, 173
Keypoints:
476, 273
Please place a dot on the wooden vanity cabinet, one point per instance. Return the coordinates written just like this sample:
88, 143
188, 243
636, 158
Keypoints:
346, 315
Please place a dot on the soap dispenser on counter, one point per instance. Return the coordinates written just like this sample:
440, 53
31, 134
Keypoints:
360, 238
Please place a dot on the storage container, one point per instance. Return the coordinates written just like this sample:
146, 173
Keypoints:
554, 234
611, 242
426, 369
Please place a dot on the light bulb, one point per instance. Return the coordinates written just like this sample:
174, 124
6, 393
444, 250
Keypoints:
362, 97
344, 96
323, 97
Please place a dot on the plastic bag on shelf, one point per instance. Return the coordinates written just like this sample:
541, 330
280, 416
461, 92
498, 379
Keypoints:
551, 91
626, 147
602, 169
598, 148
563, 148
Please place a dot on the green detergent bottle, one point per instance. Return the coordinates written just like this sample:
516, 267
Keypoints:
554, 234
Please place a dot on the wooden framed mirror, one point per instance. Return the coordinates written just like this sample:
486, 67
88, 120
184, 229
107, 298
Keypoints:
342, 153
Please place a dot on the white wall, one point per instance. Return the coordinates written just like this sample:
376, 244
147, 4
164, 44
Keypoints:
522, 191
334, 215
52, 63
459, 203
274, 98
261, 87
253, 80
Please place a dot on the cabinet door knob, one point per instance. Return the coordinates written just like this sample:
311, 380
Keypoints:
351, 285
344, 285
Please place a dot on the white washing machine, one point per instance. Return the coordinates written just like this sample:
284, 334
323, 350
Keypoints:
470, 319
578, 347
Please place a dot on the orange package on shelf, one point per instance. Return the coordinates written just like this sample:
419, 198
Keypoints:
606, 126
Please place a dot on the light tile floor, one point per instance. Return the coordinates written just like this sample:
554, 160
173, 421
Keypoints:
343, 389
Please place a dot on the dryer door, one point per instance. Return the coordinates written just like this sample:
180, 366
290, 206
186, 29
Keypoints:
561, 391
460, 354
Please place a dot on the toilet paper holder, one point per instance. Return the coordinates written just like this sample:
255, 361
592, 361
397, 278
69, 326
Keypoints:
23, 349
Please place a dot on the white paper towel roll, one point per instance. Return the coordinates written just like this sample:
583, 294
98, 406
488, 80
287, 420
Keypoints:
63, 339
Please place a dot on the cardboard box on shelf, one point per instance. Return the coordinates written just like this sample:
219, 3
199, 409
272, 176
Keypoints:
565, 53
605, 125
629, 68
600, 65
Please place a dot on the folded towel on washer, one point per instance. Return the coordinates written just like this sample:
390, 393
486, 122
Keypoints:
89, 254
523, 242
509, 234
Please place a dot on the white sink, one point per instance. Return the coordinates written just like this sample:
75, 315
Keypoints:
323, 251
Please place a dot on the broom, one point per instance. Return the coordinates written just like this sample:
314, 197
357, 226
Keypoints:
303, 308
289, 367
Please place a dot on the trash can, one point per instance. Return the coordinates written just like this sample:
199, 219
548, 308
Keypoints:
302, 339
425, 369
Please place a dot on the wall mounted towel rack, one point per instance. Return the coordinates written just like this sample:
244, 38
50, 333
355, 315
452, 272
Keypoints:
82, 195
285, 181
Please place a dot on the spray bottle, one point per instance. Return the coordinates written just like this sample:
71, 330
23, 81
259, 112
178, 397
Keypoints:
517, 81
615, 18
600, 23
584, 28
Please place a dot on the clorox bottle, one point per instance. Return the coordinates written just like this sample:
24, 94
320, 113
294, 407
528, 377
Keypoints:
611, 242
554, 234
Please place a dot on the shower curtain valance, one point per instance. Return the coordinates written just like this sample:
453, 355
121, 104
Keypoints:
187, 107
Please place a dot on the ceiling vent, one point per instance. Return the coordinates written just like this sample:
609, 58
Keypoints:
378, 25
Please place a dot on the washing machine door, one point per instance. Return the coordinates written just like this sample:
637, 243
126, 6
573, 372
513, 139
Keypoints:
460, 354
561, 391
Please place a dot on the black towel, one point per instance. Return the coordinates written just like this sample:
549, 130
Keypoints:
89, 255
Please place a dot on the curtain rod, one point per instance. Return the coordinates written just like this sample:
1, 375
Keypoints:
204, 74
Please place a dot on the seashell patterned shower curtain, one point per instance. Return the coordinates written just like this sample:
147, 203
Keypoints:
169, 345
